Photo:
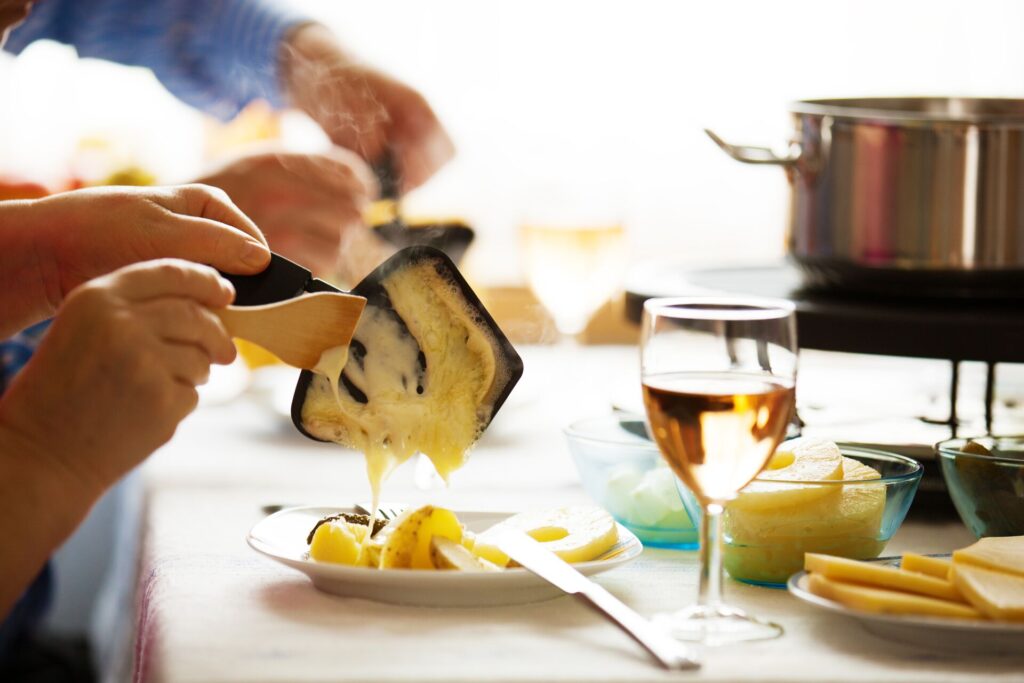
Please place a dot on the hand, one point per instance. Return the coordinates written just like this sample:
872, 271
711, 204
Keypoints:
363, 109
50, 246
117, 370
307, 205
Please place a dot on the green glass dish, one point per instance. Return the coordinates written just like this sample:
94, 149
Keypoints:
987, 489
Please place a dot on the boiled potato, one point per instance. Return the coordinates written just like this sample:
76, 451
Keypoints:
407, 540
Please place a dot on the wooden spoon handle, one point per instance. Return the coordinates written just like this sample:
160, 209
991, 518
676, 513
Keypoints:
297, 330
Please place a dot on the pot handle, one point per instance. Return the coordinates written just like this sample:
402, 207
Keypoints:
756, 155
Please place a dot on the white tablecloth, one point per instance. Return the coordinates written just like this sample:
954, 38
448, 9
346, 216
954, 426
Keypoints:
211, 609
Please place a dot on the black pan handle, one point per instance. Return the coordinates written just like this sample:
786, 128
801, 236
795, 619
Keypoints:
387, 175
282, 279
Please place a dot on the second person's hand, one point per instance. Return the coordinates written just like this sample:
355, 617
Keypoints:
309, 206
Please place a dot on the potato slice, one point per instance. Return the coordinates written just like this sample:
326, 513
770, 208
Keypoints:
447, 554
407, 544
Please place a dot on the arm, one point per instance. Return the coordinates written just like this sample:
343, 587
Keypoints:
361, 108
217, 55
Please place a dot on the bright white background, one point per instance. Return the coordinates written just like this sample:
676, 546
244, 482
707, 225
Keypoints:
596, 108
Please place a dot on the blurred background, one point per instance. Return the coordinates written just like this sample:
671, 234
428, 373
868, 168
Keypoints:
590, 108
574, 111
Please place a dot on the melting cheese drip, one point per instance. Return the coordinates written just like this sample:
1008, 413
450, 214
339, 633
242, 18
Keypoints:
437, 411
330, 365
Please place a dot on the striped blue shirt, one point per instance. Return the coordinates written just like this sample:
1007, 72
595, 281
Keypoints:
216, 55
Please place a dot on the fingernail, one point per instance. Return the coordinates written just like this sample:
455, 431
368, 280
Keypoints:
255, 254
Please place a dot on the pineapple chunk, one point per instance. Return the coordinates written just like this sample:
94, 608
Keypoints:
407, 540
880, 576
576, 534
883, 601
922, 564
798, 460
769, 544
995, 594
339, 542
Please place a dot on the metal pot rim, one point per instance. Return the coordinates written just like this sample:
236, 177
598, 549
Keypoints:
925, 110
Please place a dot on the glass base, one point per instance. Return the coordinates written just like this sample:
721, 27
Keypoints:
716, 625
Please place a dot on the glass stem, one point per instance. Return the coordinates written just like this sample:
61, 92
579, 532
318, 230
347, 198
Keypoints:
709, 591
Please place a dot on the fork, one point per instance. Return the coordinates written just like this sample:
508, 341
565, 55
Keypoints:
385, 511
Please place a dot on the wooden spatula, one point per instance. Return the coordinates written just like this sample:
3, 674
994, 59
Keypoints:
297, 330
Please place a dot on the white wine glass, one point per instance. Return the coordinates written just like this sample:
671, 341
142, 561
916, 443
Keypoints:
573, 269
718, 380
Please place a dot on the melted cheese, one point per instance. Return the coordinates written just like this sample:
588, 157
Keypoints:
438, 410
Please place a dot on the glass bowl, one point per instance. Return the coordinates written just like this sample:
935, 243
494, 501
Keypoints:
987, 490
623, 471
770, 526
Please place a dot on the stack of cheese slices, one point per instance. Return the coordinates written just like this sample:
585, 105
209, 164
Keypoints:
982, 581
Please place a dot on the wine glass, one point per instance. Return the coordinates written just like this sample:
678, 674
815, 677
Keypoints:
573, 269
718, 380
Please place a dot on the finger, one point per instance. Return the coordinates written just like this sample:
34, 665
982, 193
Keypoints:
206, 241
206, 201
204, 226
178, 320
187, 363
174, 278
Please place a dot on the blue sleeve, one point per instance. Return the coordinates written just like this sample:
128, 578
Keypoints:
217, 55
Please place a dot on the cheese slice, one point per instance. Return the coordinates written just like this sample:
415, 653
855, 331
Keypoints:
1003, 554
995, 594
923, 564
880, 576
882, 601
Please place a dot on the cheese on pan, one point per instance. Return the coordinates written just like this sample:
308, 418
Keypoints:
392, 401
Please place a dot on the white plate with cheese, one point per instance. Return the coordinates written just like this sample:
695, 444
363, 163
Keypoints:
943, 633
282, 537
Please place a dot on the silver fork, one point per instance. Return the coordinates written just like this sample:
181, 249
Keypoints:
385, 511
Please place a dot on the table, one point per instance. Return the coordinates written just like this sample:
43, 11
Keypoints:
210, 609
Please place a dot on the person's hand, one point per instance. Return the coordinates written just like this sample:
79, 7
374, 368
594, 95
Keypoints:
50, 246
363, 109
117, 370
308, 205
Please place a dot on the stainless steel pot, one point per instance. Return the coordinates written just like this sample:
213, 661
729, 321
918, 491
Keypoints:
913, 196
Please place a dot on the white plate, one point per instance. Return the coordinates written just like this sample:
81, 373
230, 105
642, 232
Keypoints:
937, 633
282, 537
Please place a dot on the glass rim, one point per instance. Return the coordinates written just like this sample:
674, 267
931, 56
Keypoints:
947, 449
723, 307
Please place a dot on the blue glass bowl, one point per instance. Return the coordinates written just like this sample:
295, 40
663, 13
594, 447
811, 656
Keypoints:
849, 518
623, 471
987, 490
